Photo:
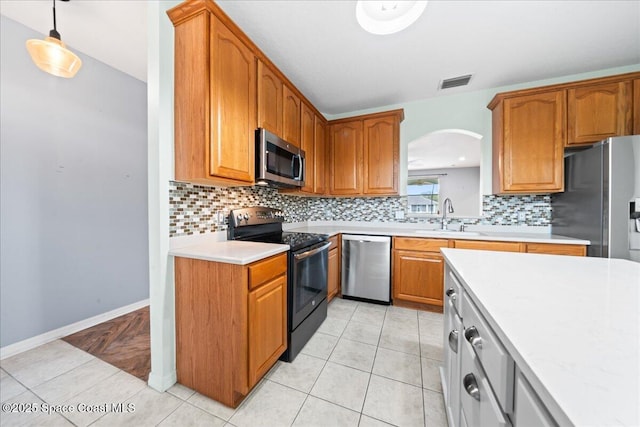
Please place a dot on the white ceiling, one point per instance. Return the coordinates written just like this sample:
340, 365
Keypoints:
445, 149
341, 68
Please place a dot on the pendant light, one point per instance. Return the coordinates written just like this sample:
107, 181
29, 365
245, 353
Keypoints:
51, 55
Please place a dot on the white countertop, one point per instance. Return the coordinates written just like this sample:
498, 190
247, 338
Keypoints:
572, 325
229, 251
215, 247
424, 231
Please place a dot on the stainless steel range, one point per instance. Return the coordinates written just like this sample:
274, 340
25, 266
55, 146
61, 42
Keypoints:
307, 269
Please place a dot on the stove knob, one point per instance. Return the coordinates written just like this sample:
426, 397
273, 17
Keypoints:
239, 218
246, 216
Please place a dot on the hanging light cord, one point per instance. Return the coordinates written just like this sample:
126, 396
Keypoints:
54, 33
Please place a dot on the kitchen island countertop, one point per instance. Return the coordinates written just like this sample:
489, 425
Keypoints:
571, 324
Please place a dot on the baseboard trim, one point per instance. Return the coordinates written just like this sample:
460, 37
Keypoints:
38, 340
162, 383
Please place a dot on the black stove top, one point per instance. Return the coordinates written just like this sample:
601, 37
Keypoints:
261, 224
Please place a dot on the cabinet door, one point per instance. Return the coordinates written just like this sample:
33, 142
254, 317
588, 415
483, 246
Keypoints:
269, 100
233, 106
418, 277
599, 111
307, 144
290, 116
320, 150
636, 107
532, 149
333, 280
346, 158
381, 155
267, 326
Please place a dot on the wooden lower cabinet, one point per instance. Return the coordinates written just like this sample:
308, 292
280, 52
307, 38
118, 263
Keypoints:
267, 326
556, 249
417, 277
486, 245
333, 280
418, 266
230, 324
418, 272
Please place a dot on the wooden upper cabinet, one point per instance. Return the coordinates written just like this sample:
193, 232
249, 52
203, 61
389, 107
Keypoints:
269, 99
528, 143
346, 158
307, 144
215, 99
291, 109
381, 155
364, 154
320, 158
233, 105
599, 111
636, 107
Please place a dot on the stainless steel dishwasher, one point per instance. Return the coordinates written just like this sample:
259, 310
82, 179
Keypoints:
366, 267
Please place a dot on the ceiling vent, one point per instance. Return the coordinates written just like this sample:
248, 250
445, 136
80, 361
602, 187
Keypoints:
455, 82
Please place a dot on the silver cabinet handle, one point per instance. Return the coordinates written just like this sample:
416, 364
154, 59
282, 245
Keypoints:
453, 340
473, 336
452, 294
471, 386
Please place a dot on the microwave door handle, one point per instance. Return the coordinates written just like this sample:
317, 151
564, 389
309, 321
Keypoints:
293, 166
301, 172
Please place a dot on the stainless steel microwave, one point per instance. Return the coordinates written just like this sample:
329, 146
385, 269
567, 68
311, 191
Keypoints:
278, 162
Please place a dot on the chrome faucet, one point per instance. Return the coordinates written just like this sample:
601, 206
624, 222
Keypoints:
447, 206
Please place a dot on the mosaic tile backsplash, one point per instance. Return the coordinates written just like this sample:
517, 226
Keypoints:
193, 208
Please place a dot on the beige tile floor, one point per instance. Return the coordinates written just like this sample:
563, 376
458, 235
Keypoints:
368, 365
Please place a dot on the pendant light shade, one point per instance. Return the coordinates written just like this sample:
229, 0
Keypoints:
52, 56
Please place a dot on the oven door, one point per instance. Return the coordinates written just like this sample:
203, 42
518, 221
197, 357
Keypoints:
307, 281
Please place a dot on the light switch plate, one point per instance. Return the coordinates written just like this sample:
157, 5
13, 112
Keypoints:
399, 214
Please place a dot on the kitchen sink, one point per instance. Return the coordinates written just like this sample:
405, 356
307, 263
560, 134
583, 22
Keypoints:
447, 233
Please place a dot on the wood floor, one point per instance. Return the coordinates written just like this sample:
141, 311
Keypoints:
123, 342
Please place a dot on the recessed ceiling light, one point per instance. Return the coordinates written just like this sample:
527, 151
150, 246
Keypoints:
462, 158
388, 17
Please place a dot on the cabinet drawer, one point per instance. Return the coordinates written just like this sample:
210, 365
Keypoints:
419, 244
528, 411
485, 245
334, 242
478, 403
261, 271
493, 357
451, 369
556, 249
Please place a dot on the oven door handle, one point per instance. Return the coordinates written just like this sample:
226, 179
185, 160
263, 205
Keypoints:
312, 252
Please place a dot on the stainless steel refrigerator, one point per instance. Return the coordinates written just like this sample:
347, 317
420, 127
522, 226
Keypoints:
601, 201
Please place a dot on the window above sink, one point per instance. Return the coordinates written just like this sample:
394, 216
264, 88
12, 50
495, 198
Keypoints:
445, 164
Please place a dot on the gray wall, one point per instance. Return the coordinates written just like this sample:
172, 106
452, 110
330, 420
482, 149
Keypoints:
73, 195
461, 185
